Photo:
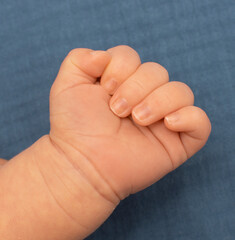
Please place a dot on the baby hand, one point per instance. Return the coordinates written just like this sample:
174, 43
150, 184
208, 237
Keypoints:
117, 126
132, 127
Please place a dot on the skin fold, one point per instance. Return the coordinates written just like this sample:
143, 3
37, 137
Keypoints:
117, 126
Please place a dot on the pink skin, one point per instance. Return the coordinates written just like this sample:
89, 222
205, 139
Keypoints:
97, 153
2, 161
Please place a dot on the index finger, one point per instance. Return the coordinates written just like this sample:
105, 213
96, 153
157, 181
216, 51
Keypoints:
124, 62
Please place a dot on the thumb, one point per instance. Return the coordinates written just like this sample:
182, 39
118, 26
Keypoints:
81, 66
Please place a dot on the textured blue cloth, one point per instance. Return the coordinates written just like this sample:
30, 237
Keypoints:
193, 39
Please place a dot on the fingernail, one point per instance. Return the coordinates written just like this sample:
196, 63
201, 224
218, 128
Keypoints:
172, 118
119, 106
141, 112
110, 85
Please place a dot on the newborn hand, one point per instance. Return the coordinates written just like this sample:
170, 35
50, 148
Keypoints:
117, 126
147, 128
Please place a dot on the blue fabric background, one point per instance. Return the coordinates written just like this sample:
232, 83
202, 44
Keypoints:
193, 39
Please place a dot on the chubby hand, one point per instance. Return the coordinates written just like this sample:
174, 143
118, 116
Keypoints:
117, 126
125, 118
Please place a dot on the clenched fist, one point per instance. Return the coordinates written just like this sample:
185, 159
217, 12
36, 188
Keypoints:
117, 126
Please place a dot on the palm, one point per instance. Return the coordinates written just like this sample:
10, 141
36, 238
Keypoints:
127, 154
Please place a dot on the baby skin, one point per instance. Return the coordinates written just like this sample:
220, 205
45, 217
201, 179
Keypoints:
117, 126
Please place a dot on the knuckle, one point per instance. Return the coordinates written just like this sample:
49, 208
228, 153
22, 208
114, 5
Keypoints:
125, 50
201, 117
156, 69
70, 56
198, 113
73, 52
164, 73
74, 57
186, 89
